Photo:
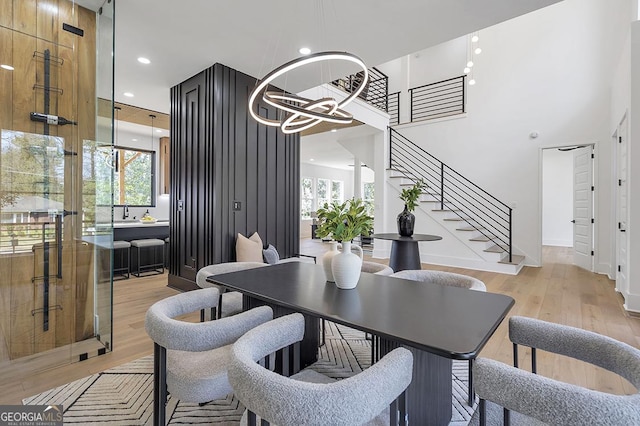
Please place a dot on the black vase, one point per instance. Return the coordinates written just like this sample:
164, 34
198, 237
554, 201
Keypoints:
406, 220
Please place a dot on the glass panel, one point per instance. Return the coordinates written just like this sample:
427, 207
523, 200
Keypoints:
306, 202
52, 308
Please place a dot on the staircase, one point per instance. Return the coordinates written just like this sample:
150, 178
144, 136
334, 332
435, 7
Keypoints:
469, 213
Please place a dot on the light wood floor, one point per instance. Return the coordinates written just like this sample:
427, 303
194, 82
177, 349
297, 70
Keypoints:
558, 292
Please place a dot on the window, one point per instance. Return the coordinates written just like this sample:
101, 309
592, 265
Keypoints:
315, 192
306, 198
337, 193
133, 177
323, 192
368, 196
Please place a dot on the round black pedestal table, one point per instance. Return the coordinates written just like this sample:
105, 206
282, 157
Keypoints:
405, 253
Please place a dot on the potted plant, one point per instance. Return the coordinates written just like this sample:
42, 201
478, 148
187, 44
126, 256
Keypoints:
343, 222
406, 219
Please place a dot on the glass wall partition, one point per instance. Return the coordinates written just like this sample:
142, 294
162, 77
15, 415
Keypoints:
55, 185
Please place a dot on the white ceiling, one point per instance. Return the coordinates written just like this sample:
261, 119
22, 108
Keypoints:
183, 38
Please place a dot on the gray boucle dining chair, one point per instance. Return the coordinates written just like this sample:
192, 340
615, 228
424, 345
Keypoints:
190, 360
376, 268
229, 303
555, 402
452, 280
308, 397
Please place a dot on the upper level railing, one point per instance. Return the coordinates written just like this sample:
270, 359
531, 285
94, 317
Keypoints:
440, 99
393, 108
479, 209
375, 92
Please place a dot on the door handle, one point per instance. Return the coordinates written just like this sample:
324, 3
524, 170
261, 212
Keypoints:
573, 221
59, 243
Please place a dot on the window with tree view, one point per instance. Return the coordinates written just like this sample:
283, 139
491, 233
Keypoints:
133, 177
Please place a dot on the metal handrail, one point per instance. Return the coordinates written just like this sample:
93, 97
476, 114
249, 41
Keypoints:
478, 208
440, 99
393, 108
376, 91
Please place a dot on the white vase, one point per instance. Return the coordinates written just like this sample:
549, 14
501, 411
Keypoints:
346, 266
327, 258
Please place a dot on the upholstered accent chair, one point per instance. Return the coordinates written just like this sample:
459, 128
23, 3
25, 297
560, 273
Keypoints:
229, 303
376, 268
452, 280
191, 358
442, 278
308, 397
555, 402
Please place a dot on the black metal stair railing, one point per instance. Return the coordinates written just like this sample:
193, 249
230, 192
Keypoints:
452, 191
375, 92
393, 108
441, 99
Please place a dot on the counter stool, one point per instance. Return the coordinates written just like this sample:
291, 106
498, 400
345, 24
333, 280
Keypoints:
152, 264
121, 251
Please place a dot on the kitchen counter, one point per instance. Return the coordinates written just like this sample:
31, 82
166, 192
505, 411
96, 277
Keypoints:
137, 224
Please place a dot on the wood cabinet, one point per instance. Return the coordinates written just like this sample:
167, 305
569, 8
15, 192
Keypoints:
229, 174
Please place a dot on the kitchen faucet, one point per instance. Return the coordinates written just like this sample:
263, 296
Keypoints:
125, 211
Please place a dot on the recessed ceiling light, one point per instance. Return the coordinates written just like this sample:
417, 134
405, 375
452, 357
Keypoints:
128, 94
158, 130
134, 140
472, 82
304, 50
143, 60
470, 64
7, 67
475, 39
467, 70
311, 159
478, 51
333, 130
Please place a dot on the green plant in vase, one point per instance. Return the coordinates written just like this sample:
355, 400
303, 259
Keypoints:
343, 222
406, 219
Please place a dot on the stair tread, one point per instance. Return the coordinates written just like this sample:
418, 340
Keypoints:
515, 260
470, 228
446, 210
481, 239
456, 219
494, 249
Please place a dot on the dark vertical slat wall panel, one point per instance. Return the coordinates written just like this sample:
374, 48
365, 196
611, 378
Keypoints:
222, 155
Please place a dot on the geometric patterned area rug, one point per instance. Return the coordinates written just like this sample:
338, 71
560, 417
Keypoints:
123, 396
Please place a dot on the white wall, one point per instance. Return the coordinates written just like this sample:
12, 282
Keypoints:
550, 72
557, 198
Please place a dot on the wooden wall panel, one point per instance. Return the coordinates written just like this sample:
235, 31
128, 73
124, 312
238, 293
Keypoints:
241, 161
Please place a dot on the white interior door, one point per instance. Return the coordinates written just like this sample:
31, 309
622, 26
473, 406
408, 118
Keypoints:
621, 204
583, 207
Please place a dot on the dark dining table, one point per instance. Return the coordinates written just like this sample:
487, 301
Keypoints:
437, 323
405, 252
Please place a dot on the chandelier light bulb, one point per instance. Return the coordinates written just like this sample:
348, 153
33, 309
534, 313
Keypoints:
475, 39
467, 70
470, 64
472, 82
304, 50
477, 51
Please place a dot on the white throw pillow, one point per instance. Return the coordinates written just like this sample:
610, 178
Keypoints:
249, 249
